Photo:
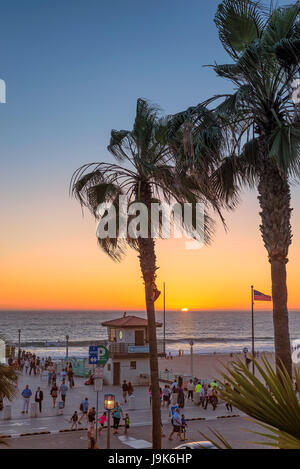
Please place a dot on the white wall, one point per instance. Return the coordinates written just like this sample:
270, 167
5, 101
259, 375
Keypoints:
142, 367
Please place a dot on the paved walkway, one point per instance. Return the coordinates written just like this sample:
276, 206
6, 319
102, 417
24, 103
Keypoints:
140, 437
49, 420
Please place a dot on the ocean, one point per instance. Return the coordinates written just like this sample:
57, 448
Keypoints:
211, 331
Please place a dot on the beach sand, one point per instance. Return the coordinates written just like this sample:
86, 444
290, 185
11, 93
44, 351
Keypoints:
205, 366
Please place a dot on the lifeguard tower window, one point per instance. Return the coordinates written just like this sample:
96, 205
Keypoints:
139, 337
112, 334
133, 365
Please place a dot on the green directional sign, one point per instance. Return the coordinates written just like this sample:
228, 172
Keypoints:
103, 355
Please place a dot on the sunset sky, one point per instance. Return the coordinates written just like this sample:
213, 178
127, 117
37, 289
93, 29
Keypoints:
73, 74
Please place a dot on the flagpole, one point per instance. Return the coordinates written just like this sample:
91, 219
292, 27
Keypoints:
252, 327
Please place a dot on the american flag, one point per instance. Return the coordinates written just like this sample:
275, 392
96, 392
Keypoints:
258, 296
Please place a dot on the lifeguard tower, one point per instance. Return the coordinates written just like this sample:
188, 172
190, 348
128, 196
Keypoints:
128, 344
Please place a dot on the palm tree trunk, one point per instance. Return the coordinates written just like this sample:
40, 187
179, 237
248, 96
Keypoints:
148, 267
274, 198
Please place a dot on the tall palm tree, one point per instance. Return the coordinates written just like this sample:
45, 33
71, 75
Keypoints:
261, 125
146, 175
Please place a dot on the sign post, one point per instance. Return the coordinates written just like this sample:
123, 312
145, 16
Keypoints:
93, 354
100, 358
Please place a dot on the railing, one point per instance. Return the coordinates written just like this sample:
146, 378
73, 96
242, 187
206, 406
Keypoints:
128, 348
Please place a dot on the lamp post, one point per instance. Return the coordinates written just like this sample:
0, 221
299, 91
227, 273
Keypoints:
109, 404
192, 368
98, 387
19, 352
67, 348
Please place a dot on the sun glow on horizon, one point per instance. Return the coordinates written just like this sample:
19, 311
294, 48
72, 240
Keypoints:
184, 310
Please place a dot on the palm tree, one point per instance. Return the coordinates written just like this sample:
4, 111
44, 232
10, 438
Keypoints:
268, 398
8, 383
260, 129
146, 176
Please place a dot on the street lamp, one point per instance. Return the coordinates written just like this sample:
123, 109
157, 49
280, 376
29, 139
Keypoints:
192, 370
19, 353
67, 347
109, 404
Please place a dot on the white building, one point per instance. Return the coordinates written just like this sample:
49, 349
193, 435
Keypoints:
128, 345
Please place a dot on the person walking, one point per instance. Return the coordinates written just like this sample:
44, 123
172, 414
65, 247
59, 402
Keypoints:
166, 396
32, 367
26, 365
102, 420
126, 424
174, 395
26, 394
180, 398
22, 363
125, 390
91, 416
174, 385
84, 407
51, 371
209, 398
228, 404
176, 422
71, 377
38, 365
39, 396
117, 414
74, 420
202, 396
214, 398
54, 393
130, 389
198, 388
183, 427
63, 375
191, 390
63, 391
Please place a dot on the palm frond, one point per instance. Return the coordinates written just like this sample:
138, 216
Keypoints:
288, 52
268, 397
8, 381
220, 442
285, 148
281, 24
239, 22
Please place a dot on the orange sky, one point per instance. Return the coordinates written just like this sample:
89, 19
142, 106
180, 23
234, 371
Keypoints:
50, 259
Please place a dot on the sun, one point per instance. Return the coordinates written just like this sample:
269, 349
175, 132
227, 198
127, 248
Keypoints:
184, 310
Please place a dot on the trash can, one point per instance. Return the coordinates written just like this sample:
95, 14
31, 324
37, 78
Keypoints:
34, 409
131, 402
7, 412
60, 409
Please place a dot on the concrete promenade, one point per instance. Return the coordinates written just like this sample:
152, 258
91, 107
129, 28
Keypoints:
49, 420
140, 437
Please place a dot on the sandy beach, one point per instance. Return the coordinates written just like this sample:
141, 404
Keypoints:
205, 366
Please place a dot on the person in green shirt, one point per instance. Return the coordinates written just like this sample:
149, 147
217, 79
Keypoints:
198, 387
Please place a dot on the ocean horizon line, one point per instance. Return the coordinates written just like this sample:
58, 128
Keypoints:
169, 310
